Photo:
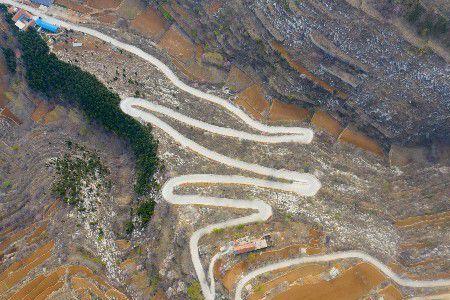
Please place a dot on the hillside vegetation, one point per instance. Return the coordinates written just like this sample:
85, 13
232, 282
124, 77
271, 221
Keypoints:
48, 75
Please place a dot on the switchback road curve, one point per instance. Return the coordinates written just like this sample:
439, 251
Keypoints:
300, 183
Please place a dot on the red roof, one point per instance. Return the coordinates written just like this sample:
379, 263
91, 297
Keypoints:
22, 13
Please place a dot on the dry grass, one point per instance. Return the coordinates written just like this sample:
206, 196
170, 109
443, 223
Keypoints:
107, 18
231, 276
200, 73
254, 102
284, 112
177, 44
36, 234
213, 7
326, 122
54, 115
7, 114
434, 219
103, 4
73, 5
329, 47
237, 80
3, 83
390, 293
40, 111
17, 271
352, 284
15, 237
305, 272
149, 23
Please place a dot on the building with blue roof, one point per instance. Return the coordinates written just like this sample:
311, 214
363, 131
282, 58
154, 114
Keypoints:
47, 26
43, 2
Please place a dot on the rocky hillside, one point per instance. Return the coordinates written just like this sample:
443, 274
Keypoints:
349, 57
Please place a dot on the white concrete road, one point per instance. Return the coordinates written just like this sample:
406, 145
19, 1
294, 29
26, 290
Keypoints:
300, 183
336, 256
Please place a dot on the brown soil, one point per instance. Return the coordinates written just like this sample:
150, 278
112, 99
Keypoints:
82, 284
232, 275
178, 10
201, 73
15, 237
252, 99
149, 23
352, 284
48, 291
19, 269
6, 113
35, 235
284, 112
391, 293
73, 5
237, 80
107, 18
54, 115
177, 44
43, 285
103, 4
290, 277
28, 288
40, 111
326, 122
213, 7
48, 283
360, 140
424, 220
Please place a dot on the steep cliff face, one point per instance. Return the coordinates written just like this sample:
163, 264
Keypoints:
327, 54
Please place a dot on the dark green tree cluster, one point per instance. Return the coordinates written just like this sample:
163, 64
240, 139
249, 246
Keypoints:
145, 211
48, 75
427, 22
10, 59
74, 168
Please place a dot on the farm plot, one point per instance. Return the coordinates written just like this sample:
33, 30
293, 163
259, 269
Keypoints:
252, 99
149, 23
352, 284
284, 112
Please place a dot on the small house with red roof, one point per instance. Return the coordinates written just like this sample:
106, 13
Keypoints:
23, 19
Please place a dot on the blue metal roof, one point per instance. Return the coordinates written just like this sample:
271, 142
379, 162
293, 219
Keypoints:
43, 2
46, 26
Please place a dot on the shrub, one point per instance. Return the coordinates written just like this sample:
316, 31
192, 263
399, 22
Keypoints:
10, 59
72, 171
46, 74
129, 227
6, 184
145, 211
194, 291
218, 230
414, 13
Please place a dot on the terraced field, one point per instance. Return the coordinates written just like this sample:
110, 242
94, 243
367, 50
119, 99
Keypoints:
317, 273
35, 274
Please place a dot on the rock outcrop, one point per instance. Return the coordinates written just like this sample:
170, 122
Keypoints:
332, 55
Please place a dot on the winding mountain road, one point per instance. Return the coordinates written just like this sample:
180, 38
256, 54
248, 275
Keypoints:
299, 183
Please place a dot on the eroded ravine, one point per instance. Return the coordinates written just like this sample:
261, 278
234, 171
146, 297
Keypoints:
300, 183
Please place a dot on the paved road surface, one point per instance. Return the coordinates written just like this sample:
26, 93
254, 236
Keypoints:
300, 183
